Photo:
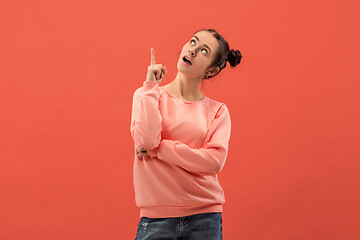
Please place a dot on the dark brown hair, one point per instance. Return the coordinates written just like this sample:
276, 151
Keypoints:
224, 54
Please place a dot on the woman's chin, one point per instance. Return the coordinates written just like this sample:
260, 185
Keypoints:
184, 69
187, 70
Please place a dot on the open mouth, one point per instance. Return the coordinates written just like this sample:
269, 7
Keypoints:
186, 60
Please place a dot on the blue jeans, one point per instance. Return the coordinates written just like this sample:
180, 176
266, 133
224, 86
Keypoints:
203, 226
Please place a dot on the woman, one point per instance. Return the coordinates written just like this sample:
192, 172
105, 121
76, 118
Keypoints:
181, 142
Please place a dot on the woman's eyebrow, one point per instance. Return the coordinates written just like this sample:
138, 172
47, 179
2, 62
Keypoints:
204, 44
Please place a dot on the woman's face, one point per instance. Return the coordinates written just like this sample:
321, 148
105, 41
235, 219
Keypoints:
200, 50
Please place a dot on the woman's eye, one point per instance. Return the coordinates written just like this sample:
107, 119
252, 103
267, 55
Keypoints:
192, 42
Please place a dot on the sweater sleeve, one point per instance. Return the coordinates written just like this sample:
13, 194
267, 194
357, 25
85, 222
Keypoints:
209, 159
146, 119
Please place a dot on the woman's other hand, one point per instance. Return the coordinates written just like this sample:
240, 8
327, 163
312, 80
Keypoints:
141, 152
155, 71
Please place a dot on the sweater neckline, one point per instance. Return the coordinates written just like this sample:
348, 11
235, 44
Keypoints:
186, 101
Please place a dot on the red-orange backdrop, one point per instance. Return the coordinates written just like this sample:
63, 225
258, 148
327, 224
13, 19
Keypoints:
68, 72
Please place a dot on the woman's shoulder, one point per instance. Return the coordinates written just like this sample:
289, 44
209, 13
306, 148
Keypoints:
213, 105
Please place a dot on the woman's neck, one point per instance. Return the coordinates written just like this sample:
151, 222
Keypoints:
186, 88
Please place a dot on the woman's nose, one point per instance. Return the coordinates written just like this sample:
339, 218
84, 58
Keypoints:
192, 52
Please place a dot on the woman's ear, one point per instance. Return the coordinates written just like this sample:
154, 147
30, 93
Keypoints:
213, 71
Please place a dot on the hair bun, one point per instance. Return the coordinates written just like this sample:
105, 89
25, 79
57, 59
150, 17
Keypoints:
234, 57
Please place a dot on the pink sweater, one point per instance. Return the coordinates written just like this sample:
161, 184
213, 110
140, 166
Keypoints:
188, 145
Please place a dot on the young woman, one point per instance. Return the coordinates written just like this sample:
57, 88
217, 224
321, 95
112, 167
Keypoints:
181, 143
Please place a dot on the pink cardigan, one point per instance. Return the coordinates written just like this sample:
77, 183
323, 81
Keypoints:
188, 145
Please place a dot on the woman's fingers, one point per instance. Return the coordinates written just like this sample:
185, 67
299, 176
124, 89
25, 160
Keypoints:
141, 154
152, 61
158, 70
162, 72
155, 71
141, 151
157, 74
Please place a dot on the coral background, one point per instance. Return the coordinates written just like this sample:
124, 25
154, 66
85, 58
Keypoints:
68, 71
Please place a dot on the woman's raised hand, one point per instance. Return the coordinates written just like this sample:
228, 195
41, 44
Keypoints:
155, 71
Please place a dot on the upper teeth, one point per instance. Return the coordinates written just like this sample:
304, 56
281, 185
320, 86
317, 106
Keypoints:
187, 59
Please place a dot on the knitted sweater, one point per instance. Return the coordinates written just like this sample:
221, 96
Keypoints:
187, 142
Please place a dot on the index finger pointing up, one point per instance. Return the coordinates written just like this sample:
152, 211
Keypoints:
152, 62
